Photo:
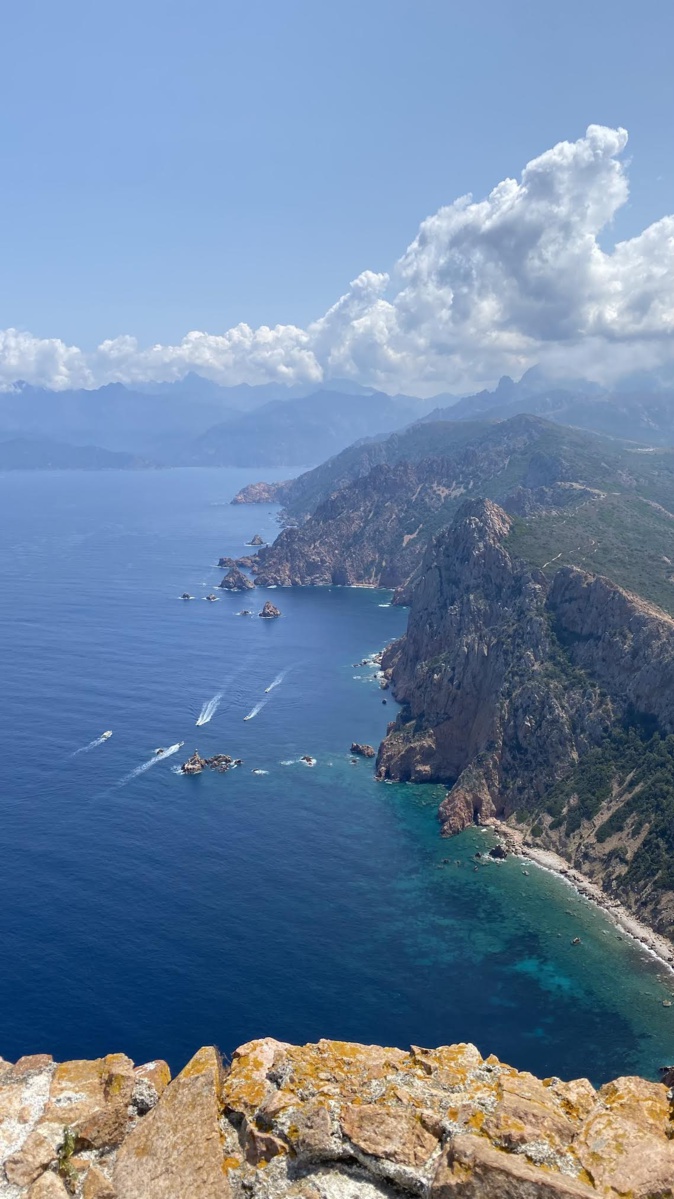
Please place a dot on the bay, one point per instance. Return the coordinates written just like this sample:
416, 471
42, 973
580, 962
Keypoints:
152, 913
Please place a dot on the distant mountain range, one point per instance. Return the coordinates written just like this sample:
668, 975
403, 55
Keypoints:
197, 422
641, 410
307, 429
41, 453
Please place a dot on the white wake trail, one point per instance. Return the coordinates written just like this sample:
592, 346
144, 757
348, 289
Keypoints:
159, 757
277, 681
93, 744
254, 711
209, 709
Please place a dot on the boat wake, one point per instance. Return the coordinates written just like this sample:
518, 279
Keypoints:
92, 744
254, 711
209, 709
156, 757
277, 681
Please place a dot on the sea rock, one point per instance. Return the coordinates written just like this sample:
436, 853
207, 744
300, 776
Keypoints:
195, 764
226, 563
236, 580
221, 762
269, 611
256, 540
363, 751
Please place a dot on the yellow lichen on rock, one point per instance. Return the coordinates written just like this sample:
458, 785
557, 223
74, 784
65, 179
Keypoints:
330, 1120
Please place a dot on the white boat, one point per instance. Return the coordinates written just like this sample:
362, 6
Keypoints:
107, 734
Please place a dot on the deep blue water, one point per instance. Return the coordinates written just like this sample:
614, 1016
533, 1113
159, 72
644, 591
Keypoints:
160, 913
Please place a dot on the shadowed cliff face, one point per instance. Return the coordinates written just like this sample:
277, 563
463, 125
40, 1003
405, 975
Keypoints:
626, 644
328, 1121
481, 705
487, 672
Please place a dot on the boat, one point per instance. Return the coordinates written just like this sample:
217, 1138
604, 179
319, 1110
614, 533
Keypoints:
107, 734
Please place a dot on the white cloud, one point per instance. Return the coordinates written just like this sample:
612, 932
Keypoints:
486, 287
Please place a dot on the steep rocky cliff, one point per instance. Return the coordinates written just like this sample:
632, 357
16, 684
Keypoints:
599, 504
509, 681
328, 1121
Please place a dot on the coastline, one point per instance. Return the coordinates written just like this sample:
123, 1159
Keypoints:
653, 943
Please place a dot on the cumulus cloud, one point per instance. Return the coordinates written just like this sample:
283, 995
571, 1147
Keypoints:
486, 287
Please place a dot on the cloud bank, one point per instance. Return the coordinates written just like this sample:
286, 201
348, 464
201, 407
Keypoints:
487, 287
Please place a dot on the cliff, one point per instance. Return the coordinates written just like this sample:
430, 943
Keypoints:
328, 1121
601, 505
550, 702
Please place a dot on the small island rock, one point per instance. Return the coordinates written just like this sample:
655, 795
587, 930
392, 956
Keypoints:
193, 765
269, 611
256, 540
236, 580
221, 762
363, 751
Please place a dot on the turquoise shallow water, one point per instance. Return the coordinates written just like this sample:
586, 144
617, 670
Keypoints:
153, 913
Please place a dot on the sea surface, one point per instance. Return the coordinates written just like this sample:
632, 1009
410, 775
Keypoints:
152, 913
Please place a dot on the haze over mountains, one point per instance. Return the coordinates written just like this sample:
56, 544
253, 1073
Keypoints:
195, 422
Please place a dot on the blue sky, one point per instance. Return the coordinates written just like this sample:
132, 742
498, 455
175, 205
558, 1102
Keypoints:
172, 166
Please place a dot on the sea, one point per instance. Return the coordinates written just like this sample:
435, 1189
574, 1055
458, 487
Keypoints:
148, 912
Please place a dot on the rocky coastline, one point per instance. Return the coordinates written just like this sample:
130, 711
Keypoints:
509, 681
514, 842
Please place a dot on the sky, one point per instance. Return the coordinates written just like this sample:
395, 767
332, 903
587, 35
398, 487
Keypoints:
267, 190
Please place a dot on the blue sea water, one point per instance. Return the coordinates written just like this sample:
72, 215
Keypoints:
152, 913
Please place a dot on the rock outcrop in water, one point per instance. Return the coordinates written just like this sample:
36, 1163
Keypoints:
260, 493
236, 580
219, 762
508, 679
269, 611
328, 1121
363, 751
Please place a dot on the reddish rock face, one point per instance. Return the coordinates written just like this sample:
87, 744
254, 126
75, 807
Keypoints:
363, 751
